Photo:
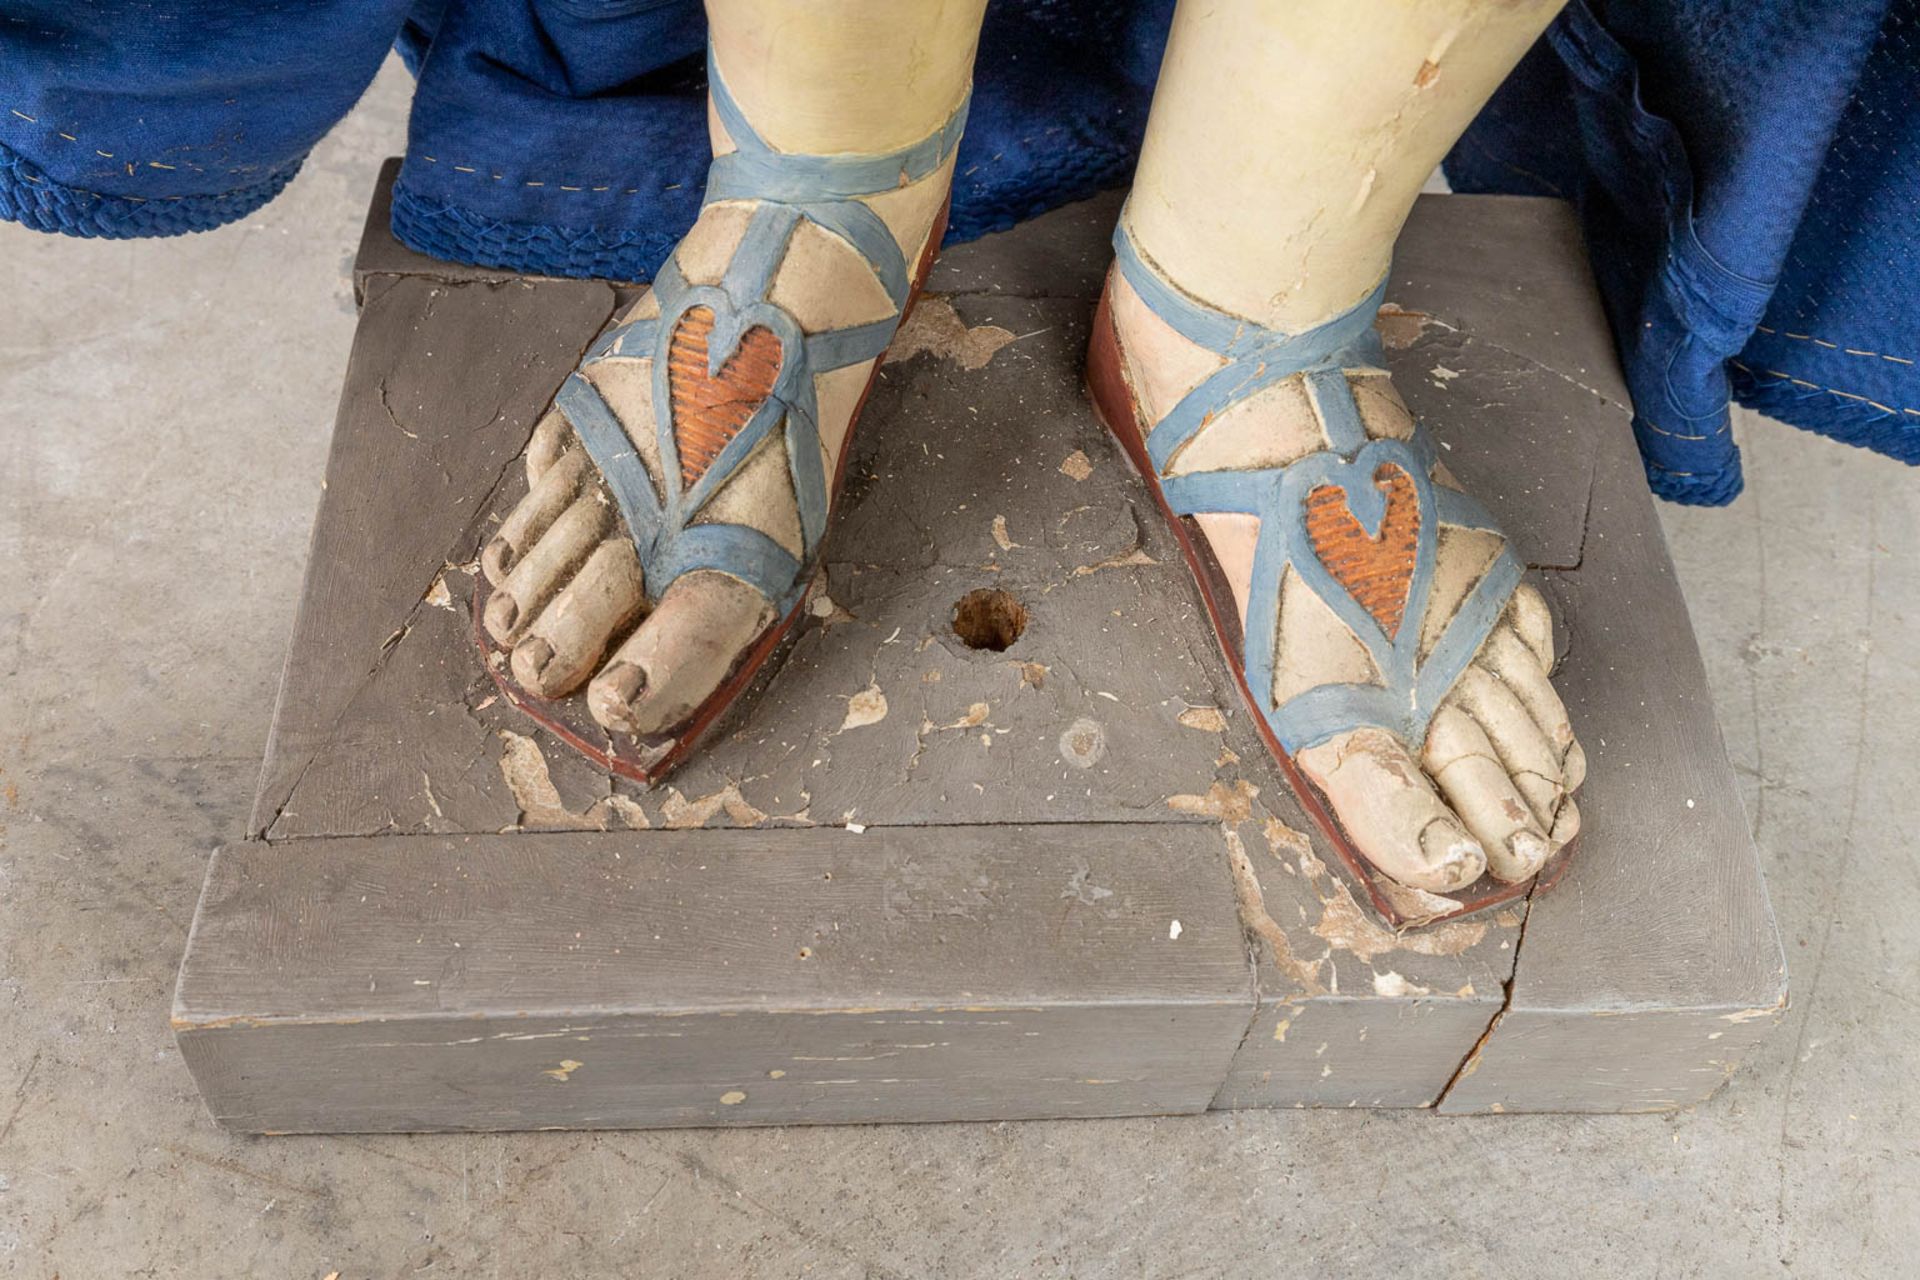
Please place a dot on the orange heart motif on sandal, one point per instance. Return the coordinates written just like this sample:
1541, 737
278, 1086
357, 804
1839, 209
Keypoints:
1376, 569
710, 409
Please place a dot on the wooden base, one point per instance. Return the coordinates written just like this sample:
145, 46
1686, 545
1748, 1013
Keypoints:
923, 881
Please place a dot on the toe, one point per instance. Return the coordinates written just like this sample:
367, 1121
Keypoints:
550, 439
565, 644
674, 661
1534, 623
1566, 824
1392, 813
550, 495
1513, 660
1460, 759
546, 567
1530, 759
1573, 769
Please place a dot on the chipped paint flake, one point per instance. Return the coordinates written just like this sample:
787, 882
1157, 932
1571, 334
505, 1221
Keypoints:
1400, 328
1221, 803
624, 808
1345, 927
1077, 466
1392, 986
824, 607
869, 706
1083, 744
524, 767
1205, 719
1132, 556
1001, 536
1283, 839
1748, 1015
564, 1071
1253, 914
1415, 906
680, 814
934, 328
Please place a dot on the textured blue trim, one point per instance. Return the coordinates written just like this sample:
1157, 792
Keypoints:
1410, 688
33, 199
457, 233
1893, 432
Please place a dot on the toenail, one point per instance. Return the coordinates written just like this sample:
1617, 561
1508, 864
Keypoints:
534, 655
503, 611
1452, 854
625, 681
1528, 849
612, 693
500, 555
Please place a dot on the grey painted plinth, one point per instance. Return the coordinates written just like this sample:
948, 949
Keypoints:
919, 881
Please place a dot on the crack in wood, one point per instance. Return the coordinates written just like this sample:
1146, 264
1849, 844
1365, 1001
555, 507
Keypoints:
483, 506
1471, 1063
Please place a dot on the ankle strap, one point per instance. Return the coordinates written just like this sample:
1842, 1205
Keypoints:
1257, 357
1236, 336
756, 170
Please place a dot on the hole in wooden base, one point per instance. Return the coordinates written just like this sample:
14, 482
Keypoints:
989, 619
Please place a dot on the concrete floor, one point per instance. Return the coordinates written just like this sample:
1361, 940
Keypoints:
164, 411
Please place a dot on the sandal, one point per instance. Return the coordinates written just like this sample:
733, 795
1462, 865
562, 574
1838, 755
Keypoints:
729, 367
1358, 522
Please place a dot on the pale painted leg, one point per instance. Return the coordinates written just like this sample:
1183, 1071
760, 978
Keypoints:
1338, 110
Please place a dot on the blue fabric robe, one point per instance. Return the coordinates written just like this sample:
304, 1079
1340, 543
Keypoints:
1748, 171
1748, 174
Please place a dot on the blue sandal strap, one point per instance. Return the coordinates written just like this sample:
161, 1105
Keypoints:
756, 170
788, 190
608, 444
739, 551
1411, 686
